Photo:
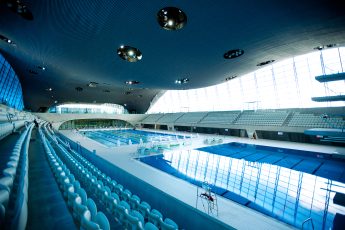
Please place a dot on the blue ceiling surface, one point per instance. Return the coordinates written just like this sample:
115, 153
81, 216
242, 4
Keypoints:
77, 42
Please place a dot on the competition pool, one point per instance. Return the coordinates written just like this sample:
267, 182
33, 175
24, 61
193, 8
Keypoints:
112, 138
290, 185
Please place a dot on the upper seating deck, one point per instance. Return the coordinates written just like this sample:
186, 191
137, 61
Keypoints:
288, 118
227, 117
169, 118
262, 118
191, 118
311, 120
152, 118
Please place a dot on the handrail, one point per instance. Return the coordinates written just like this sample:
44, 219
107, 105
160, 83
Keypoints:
306, 220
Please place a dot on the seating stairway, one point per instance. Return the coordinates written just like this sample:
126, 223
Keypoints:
46, 204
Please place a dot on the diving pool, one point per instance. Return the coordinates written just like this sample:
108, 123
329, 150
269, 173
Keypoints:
286, 184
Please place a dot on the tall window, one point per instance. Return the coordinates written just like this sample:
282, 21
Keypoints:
105, 108
286, 84
10, 88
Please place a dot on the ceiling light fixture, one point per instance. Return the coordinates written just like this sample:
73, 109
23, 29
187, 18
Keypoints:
171, 18
79, 89
265, 63
321, 47
331, 45
7, 40
49, 89
92, 84
132, 82
129, 53
41, 68
181, 81
18, 7
230, 78
233, 54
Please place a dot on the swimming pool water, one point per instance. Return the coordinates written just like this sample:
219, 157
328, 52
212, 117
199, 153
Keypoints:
112, 138
263, 178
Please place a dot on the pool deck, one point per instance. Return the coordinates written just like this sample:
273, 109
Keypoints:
231, 213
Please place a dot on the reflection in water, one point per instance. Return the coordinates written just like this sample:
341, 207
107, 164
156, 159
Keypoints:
288, 195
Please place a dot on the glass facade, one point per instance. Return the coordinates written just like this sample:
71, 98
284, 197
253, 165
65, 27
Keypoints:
286, 84
10, 88
89, 108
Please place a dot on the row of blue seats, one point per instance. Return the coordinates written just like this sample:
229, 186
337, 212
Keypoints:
5, 129
126, 207
14, 185
84, 209
116, 208
8, 127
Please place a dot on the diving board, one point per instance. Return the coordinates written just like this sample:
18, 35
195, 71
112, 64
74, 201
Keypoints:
331, 77
329, 98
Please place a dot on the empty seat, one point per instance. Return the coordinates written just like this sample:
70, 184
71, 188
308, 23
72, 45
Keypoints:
97, 222
134, 220
155, 217
134, 201
150, 226
144, 209
168, 224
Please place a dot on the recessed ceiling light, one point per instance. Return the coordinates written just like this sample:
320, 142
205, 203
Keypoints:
233, 54
331, 45
319, 47
7, 40
92, 84
41, 68
49, 89
55, 102
132, 82
325, 46
265, 63
181, 81
129, 53
21, 9
171, 18
79, 89
230, 78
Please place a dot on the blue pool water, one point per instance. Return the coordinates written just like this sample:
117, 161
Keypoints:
289, 185
112, 138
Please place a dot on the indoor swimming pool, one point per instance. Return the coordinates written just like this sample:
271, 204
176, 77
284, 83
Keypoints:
290, 185
113, 138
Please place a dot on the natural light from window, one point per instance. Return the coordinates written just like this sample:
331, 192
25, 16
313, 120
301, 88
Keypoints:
105, 108
286, 84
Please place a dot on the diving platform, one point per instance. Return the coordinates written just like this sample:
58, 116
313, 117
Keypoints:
329, 98
331, 77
